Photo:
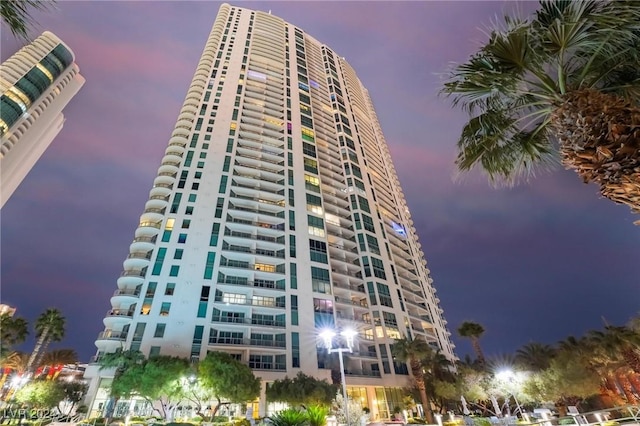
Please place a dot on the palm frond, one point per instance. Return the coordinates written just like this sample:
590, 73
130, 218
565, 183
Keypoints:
526, 70
17, 14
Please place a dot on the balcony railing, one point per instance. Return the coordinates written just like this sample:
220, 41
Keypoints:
259, 284
112, 335
127, 292
249, 321
119, 313
278, 304
247, 342
362, 373
362, 303
133, 273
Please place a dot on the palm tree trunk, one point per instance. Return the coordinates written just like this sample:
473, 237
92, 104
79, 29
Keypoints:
40, 344
632, 359
599, 134
635, 381
418, 375
475, 342
627, 388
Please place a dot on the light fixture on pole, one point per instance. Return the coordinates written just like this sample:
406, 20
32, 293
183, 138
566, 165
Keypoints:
348, 337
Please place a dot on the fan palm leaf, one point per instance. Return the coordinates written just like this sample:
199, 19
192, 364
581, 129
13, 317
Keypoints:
527, 88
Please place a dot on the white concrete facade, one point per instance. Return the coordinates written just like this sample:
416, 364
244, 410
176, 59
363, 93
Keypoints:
36, 84
276, 211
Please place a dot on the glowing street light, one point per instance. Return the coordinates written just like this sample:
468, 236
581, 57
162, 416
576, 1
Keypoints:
508, 376
348, 336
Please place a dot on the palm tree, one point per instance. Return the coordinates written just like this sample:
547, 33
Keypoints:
473, 331
13, 331
17, 15
566, 78
59, 357
17, 362
535, 356
49, 328
617, 341
413, 351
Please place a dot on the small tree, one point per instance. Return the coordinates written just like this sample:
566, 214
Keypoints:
302, 389
228, 379
40, 394
120, 361
158, 379
73, 394
354, 410
567, 381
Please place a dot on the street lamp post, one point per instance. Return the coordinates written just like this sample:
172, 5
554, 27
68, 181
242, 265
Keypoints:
348, 336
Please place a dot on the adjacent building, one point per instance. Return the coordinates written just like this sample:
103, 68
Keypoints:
36, 84
276, 212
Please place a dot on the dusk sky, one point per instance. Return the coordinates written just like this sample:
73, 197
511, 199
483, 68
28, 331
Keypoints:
537, 262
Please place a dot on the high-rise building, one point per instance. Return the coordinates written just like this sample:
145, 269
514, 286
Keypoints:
276, 212
36, 84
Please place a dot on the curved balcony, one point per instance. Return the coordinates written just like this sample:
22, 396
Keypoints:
131, 277
142, 244
153, 216
127, 292
112, 335
181, 131
173, 155
157, 201
117, 317
110, 340
148, 227
137, 260
189, 108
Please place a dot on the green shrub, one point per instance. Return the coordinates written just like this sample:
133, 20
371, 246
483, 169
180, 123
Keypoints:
288, 417
566, 422
481, 421
220, 419
241, 422
317, 415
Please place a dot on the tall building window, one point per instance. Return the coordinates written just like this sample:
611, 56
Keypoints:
165, 308
318, 251
170, 289
384, 294
159, 330
157, 266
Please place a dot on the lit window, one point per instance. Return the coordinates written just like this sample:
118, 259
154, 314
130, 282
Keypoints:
264, 267
236, 298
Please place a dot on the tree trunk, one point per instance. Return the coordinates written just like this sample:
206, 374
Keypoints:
627, 388
632, 359
599, 135
475, 342
416, 370
31, 364
635, 382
